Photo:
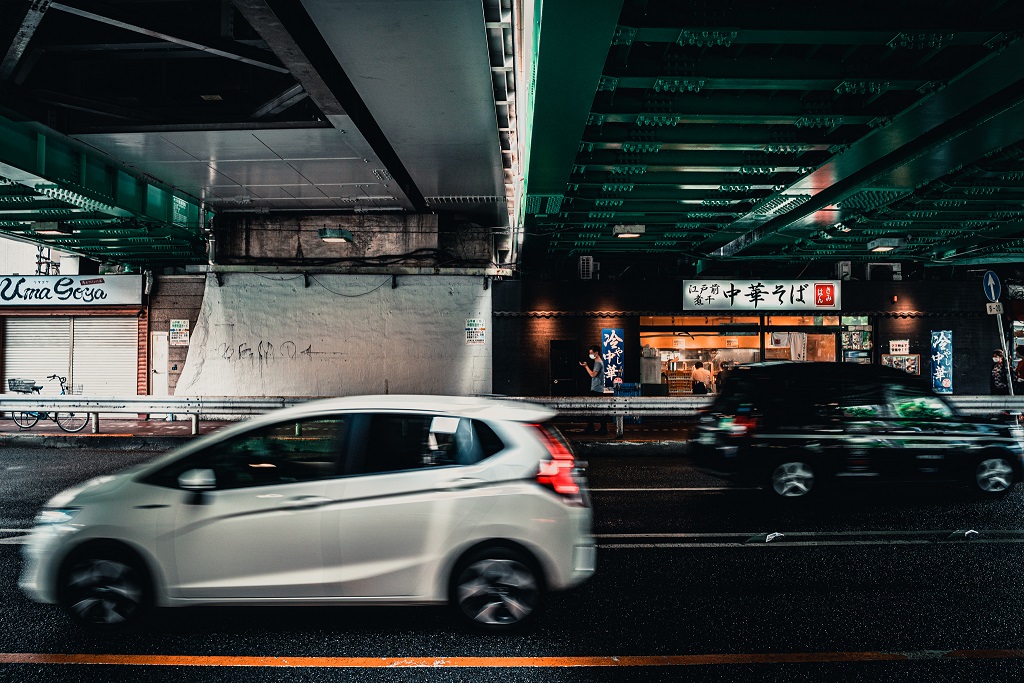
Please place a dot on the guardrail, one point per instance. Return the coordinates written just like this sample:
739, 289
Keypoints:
229, 407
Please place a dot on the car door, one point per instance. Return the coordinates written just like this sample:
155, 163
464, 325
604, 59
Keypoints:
859, 413
925, 430
415, 488
258, 533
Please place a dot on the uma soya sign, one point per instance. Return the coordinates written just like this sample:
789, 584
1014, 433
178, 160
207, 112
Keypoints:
761, 295
70, 290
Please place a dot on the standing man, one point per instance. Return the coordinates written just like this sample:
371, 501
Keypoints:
596, 372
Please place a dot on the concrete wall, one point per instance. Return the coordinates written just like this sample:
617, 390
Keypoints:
175, 297
271, 335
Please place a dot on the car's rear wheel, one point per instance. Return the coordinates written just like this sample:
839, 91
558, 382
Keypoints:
792, 479
497, 588
993, 476
105, 588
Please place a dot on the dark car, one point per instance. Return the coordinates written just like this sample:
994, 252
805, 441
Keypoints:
794, 428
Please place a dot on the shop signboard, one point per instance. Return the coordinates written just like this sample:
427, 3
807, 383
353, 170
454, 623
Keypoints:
761, 295
612, 354
70, 290
942, 361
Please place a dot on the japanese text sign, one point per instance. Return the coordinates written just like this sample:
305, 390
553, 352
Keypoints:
942, 361
612, 349
761, 295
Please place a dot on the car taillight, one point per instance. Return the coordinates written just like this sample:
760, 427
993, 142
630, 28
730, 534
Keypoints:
743, 425
558, 473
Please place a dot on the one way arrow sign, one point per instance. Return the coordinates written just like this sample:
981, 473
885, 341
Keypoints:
990, 283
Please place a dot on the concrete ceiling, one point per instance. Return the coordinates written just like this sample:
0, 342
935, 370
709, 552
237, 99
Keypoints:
248, 106
746, 135
743, 135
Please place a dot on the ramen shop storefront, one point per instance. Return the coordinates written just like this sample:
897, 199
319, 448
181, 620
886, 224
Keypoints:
724, 323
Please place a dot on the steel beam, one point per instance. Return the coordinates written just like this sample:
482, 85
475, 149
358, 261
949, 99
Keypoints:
34, 12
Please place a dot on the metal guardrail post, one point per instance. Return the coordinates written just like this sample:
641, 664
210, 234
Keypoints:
95, 419
194, 417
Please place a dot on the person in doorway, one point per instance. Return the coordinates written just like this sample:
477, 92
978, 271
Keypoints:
596, 371
701, 379
999, 380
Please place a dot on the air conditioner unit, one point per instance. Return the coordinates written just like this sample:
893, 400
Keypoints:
885, 272
844, 270
586, 267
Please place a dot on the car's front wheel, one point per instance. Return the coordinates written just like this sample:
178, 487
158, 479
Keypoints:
105, 588
791, 479
497, 588
993, 476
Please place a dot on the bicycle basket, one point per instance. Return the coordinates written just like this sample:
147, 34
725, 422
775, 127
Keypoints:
23, 386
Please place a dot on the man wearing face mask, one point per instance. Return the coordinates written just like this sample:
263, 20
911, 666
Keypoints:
999, 381
596, 372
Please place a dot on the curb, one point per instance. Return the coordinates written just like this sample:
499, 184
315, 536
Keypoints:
127, 442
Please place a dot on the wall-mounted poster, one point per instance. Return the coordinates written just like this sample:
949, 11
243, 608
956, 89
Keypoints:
942, 361
476, 332
612, 351
179, 333
908, 362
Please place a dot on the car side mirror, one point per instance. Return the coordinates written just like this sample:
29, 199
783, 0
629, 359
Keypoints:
198, 481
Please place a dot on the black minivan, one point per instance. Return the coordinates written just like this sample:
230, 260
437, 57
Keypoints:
795, 427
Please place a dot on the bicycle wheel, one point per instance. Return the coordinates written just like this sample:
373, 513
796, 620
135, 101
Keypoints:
25, 420
72, 422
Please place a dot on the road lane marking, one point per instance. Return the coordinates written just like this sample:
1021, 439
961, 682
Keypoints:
682, 488
504, 662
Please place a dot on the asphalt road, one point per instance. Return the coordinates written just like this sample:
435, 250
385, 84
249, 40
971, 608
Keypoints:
879, 586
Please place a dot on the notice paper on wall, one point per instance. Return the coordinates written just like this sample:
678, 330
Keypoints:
179, 333
476, 331
899, 346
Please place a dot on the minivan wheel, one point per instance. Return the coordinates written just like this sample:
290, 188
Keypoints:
104, 589
793, 479
497, 588
993, 476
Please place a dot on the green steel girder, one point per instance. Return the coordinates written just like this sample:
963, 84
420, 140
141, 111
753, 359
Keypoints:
77, 183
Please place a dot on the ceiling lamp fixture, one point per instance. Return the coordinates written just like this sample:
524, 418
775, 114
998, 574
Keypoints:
886, 244
335, 235
628, 230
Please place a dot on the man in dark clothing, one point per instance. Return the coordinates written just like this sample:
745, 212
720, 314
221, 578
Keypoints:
596, 372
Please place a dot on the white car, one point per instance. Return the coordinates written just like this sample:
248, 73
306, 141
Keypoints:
350, 501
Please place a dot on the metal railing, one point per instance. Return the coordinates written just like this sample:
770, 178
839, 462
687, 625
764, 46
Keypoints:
232, 407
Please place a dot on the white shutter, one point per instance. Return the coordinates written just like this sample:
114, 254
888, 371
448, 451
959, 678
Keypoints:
35, 348
105, 358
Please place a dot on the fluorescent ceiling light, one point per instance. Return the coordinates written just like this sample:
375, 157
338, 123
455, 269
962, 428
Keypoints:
628, 230
883, 244
334, 235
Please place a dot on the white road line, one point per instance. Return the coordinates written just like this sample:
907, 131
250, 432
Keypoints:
683, 488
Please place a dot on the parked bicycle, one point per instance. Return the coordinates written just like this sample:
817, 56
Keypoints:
69, 422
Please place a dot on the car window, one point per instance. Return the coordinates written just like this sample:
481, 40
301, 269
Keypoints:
282, 453
397, 442
918, 403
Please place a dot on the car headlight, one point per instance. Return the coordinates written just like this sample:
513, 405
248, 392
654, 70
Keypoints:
50, 516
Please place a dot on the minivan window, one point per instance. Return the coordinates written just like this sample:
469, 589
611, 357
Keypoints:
281, 453
396, 443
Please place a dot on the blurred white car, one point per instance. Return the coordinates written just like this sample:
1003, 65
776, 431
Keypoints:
360, 500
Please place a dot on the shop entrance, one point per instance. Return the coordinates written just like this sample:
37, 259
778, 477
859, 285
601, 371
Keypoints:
720, 343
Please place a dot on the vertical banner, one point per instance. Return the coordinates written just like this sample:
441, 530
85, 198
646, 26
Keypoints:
942, 361
612, 354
